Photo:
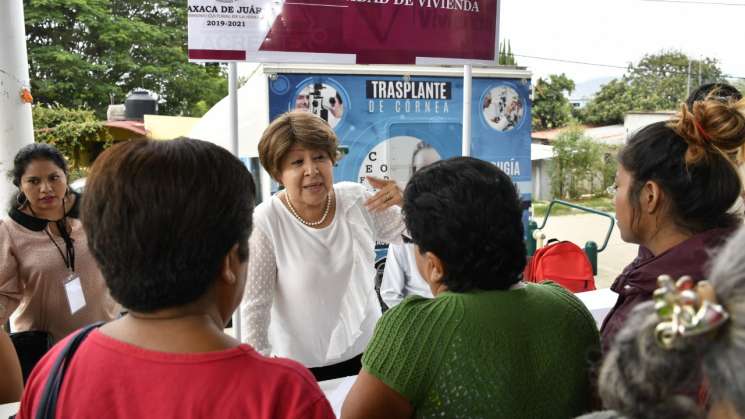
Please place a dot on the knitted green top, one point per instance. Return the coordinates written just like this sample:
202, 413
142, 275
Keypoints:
522, 353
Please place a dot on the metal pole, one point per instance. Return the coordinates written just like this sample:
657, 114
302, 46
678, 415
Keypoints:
233, 131
16, 125
699, 70
466, 151
233, 99
688, 86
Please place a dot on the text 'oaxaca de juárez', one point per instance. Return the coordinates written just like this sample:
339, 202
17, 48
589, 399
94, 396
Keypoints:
463, 5
248, 10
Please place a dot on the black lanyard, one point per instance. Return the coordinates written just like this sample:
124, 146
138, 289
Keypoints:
69, 245
62, 228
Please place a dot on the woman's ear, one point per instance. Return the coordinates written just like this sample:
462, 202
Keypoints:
436, 266
650, 198
230, 266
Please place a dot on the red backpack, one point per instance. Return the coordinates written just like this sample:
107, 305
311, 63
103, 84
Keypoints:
562, 262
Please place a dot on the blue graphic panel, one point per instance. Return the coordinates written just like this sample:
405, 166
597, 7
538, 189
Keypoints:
367, 110
391, 125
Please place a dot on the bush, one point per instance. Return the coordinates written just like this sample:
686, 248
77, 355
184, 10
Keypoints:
580, 166
73, 131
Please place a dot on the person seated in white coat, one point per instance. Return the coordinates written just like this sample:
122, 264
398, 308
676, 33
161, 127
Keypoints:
401, 277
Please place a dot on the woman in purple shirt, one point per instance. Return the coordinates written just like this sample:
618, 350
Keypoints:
674, 187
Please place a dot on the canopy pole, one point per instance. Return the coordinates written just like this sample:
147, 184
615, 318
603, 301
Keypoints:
16, 124
466, 151
233, 132
233, 99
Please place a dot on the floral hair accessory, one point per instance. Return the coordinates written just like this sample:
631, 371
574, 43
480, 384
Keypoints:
685, 310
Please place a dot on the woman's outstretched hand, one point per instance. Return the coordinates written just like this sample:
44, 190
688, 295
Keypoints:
388, 194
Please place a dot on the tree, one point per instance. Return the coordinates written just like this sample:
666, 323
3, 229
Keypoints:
76, 133
609, 105
91, 52
505, 54
658, 82
576, 161
551, 108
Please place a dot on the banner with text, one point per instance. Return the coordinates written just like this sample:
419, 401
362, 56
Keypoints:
344, 31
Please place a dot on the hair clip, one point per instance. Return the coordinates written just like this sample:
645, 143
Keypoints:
685, 309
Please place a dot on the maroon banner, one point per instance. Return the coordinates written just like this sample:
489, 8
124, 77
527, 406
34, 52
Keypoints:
387, 31
217, 55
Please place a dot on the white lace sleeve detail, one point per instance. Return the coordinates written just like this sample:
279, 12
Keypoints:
388, 225
257, 301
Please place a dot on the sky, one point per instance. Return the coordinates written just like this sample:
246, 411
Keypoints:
619, 32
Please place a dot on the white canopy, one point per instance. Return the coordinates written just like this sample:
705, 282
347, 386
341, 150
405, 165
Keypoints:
253, 116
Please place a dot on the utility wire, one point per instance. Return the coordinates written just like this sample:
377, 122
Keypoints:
562, 60
708, 3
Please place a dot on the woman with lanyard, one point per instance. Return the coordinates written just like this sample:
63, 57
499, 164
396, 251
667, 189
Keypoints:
47, 275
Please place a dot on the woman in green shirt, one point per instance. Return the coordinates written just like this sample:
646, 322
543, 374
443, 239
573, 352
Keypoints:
487, 345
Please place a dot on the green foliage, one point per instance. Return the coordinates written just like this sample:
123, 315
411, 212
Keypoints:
199, 109
576, 160
609, 105
608, 167
600, 203
77, 173
71, 131
90, 52
551, 108
505, 54
658, 82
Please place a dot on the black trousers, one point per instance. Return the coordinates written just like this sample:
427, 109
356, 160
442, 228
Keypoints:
342, 369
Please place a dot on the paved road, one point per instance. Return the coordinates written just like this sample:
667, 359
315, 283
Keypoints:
581, 228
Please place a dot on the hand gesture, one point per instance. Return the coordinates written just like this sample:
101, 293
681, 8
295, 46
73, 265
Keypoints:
388, 194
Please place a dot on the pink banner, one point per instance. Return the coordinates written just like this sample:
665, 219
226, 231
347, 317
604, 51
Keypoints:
387, 31
217, 55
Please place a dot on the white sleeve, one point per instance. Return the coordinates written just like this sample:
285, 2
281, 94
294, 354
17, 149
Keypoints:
395, 276
256, 307
388, 225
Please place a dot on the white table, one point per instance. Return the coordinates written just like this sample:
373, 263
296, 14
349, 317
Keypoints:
336, 391
8, 409
599, 302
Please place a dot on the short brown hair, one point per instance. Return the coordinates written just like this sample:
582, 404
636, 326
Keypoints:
160, 216
297, 127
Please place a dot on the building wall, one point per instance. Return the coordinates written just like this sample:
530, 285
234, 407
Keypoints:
541, 175
635, 121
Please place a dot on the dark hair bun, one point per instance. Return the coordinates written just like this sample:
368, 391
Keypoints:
712, 126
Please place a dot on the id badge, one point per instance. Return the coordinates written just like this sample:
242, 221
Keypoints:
74, 291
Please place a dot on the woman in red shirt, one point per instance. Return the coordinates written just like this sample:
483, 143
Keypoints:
168, 223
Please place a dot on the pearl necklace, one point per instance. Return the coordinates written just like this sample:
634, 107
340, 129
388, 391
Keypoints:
301, 219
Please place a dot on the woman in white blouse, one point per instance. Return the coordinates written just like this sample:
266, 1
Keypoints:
310, 293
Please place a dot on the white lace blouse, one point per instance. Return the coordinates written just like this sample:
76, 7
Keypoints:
310, 293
